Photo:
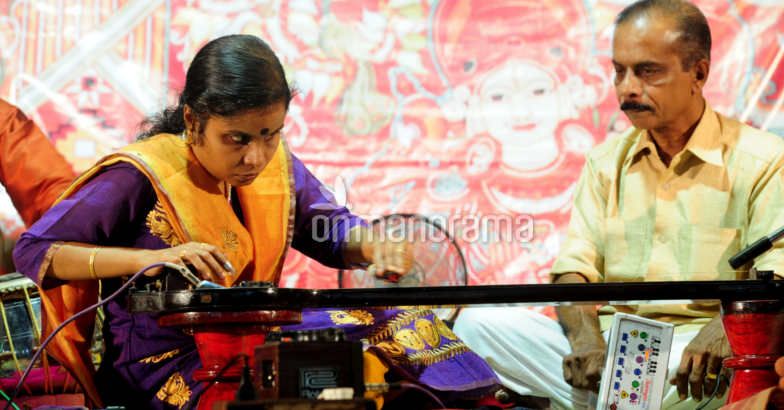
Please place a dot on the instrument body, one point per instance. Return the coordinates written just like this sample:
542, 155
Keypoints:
224, 339
301, 367
229, 301
755, 330
272, 298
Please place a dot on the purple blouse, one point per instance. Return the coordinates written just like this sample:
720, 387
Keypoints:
111, 210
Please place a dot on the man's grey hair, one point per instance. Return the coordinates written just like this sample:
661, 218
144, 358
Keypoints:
695, 38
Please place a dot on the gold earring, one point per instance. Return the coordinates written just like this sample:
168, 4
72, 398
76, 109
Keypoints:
188, 137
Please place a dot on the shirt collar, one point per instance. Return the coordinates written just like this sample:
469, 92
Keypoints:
705, 143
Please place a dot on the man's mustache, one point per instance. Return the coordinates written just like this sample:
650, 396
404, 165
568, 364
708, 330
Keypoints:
633, 106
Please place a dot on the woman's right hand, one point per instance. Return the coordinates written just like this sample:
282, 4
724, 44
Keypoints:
207, 260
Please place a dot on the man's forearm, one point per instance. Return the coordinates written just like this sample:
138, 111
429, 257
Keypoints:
580, 323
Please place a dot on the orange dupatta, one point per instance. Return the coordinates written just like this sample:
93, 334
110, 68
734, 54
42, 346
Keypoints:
196, 210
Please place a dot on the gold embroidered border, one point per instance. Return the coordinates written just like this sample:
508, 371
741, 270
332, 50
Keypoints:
160, 357
292, 208
429, 357
392, 326
395, 351
351, 317
47, 261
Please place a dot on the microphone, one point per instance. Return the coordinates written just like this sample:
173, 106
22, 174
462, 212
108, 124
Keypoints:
757, 248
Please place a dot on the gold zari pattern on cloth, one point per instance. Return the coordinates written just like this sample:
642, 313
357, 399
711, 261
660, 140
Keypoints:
351, 317
175, 391
160, 357
159, 225
430, 339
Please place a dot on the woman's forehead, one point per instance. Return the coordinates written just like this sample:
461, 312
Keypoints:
271, 117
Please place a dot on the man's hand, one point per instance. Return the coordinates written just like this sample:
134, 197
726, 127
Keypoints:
700, 366
583, 369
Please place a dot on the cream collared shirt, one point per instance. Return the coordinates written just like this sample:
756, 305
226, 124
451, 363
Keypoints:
635, 219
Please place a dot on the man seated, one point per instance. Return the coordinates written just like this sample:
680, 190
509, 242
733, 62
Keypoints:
671, 199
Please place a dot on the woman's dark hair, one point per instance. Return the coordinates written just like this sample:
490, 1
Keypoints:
228, 76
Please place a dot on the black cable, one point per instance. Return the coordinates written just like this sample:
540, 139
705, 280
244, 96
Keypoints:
216, 379
246, 391
81, 313
429, 394
715, 390
385, 387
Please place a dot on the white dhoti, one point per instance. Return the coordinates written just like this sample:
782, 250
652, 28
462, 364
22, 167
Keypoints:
526, 350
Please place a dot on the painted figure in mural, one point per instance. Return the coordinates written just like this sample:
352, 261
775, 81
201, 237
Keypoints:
348, 57
670, 199
343, 56
211, 183
520, 96
32, 188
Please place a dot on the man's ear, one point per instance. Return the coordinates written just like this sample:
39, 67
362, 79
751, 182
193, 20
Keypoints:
701, 71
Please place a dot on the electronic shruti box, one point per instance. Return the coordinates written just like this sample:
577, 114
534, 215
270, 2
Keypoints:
303, 363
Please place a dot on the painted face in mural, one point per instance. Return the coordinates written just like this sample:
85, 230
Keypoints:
235, 149
519, 105
356, 28
652, 87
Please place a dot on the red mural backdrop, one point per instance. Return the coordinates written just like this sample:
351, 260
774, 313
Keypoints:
475, 113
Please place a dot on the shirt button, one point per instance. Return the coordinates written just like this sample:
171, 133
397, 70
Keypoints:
666, 186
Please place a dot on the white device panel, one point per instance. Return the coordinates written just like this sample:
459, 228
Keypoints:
635, 372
